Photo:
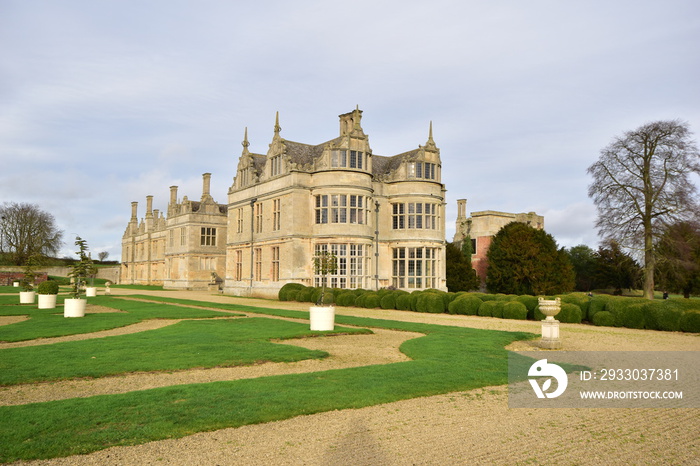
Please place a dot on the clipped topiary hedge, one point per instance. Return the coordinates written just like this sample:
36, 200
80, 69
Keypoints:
662, 315
603, 319
491, 308
690, 321
283, 294
371, 300
465, 305
403, 302
430, 302
514, 310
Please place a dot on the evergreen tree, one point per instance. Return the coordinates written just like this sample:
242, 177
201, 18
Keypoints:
524, 260
460, 276
616, 269
585, 263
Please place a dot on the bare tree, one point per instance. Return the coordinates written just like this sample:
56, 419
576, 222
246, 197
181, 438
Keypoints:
102, 256
26, 230
641, 183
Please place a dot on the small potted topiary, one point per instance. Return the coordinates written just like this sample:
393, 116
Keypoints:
75, 305
322, 317
27, 295
48, 290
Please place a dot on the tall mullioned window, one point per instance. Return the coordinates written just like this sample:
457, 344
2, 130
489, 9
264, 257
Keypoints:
275, 263
341, 208
414, 215
423, 170
276, 165
348, 159
414, 267
276, 214
353, 265
238, 266
208, 236
239, 220
258, 217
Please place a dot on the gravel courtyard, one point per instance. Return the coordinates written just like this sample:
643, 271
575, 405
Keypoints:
474, 427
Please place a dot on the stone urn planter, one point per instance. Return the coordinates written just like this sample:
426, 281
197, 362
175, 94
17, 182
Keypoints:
549, 307
15, 284
322, 318
74, 307
27, 297
550, 326
90, 291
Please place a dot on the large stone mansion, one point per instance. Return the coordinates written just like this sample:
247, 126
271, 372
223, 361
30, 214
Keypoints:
382, 216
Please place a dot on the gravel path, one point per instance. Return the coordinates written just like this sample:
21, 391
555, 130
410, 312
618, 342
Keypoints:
474, 427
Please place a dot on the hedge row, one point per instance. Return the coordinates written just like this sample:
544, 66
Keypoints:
614, 311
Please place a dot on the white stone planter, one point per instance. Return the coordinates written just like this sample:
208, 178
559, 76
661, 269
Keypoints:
90, 291
322, 318
74, 307
47, 301
27, 297
15, 284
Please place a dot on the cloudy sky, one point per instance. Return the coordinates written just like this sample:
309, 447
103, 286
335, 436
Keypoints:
105, 102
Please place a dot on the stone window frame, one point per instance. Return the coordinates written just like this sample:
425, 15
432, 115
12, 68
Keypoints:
341, 208
414, 216
353, 265
208, 236
414, 267
347, 158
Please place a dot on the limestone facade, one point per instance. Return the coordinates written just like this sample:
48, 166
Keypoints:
382, 216
482, 226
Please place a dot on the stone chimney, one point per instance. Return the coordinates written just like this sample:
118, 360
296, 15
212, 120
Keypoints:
134, 208
173, 195
149, 206
206, 184
461, 208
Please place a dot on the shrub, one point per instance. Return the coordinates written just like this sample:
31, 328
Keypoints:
283, 294
48, 287
596, 304
291, 295
603, 318
491, 308
360, 299
529, 301
430, 302
581, 300
304, 295
514, 310
465, 305
403, 302
690, 321
346, 299
371, 300
388, 301
662, 315
628, 312
414, 300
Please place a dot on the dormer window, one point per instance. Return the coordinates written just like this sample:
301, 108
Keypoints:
423, 170
348, 159
276, 165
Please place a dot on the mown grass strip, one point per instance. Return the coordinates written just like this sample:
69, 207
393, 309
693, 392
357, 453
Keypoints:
185, 345
447, 359
47, 323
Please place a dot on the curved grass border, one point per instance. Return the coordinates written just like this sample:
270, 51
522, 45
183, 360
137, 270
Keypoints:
447, 359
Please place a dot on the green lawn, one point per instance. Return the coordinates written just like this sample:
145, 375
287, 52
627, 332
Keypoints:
46, 323
446, 359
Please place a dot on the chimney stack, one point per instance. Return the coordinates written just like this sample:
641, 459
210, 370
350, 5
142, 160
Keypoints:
149, 206
173, 195
206, 185
134, 207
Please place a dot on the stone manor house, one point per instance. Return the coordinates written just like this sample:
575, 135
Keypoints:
382, 216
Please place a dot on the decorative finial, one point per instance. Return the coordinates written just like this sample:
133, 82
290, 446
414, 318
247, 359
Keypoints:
431, 143
278, 128
245, 142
